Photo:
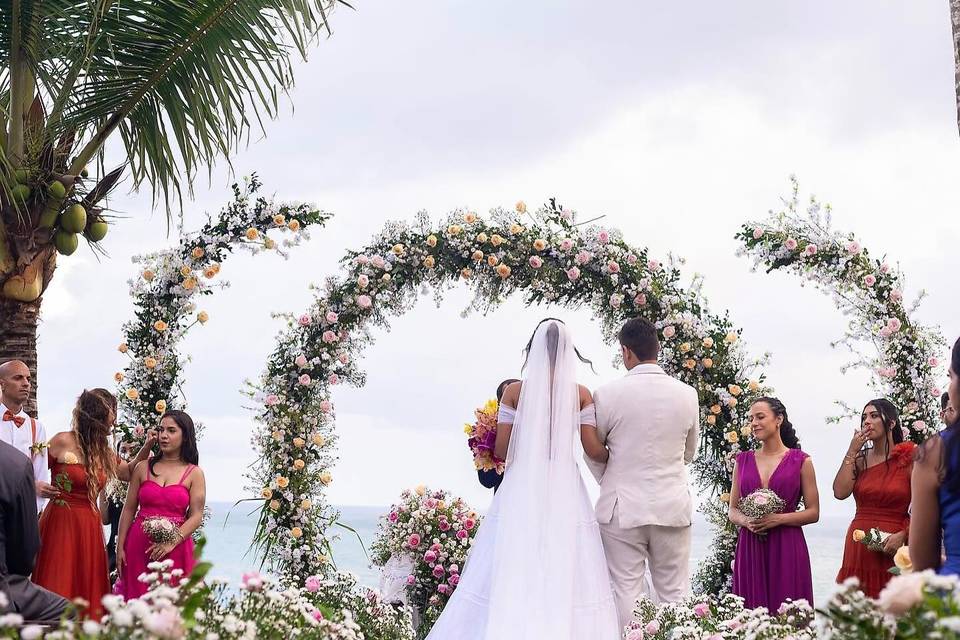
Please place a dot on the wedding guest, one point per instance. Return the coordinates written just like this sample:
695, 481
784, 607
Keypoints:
21, 431
936, 491
491, 479
878, 476
772, 563
947, 413
72, 559
171, 486
19, 541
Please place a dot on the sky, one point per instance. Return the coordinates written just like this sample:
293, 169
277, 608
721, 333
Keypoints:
676, 121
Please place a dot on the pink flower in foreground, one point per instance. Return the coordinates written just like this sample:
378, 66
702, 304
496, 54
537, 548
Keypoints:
583, 257
894, 324
430, 557
811, 250
701, 609
312, 584
251, 581
377, 261
462, 534
616, 300
305, 320
413, 541
363, 281
271, 400
613, 267
603, 236
790, 244
305, 379
669, 331
329, 337
454, 580
566, 244
331, 317
439, 571
469, 523
364, 302
757, 233
653, 265
454, 568
300, 361
870, 280
394, 516
640, 299
344, 358
411, 580
885, 332
317, 615
573, 274
442, 588
652, 628
920, 426
536, 262
362, 259
853, 248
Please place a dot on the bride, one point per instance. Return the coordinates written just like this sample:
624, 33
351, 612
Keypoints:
536, 569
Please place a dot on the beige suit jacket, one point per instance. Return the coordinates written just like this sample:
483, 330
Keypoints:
650, 423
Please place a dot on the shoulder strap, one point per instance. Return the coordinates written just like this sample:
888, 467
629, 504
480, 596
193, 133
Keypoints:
186, 472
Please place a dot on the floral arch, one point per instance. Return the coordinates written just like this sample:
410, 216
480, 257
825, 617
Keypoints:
547, 257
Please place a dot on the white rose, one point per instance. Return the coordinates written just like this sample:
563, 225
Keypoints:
31, 632
902, 593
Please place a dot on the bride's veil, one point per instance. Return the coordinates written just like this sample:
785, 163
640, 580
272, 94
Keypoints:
534, 560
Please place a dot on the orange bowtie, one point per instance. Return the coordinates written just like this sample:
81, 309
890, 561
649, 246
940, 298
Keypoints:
17, 420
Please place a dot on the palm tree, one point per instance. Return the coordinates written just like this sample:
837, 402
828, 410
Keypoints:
181, 83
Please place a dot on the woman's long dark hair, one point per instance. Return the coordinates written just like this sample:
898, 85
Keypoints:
890, 417
188, 438
787, 432
526, 350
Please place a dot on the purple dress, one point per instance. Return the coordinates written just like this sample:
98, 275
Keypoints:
770, 570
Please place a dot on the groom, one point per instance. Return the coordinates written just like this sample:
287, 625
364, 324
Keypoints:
650, 424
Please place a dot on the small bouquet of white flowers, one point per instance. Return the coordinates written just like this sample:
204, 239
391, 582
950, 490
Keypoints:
161, 530
760, 503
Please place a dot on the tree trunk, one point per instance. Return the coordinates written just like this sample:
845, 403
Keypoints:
955, 23
18, 339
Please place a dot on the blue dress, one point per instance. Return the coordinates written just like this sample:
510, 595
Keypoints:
950, 517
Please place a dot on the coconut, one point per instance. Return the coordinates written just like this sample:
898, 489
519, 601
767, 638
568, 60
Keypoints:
97, 231
66, 242
21, 192
74, 219
49, 216
57, 190
21, 175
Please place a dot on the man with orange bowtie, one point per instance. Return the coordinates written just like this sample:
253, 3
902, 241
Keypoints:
19, 430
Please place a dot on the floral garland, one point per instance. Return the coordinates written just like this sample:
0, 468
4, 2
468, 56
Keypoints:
547, 256
166, 292
904, 354
433, 532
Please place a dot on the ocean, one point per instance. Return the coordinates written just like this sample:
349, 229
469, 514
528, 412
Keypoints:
230, 531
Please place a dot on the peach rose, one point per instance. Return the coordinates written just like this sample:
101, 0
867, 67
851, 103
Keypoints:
902, 593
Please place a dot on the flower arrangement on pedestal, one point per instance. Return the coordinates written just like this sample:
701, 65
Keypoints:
547, 257
433, 530
904, 355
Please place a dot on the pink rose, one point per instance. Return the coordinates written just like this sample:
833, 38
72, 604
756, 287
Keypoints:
870, 280
431, 503
933, 362
271, 400
566, 244
329, 336
430, 557
462, 534
394, 516
251, 581
920, 426
413, 541
444, 525
454, 568
573, 274
853, 247
894, 324
469, 523
761, 499
757, 233
344, 358
603, 236
333, 378
439, 571
884, 268
811, 250
616, 300
631, 259
454, 580
640, 299
896, 295
362, 259
652, 627
331, 317
442, 588
701, 609
669, 331
885, 332
790, 244
305, 320
613, 267
304, 379
377, 261
364, 302
317, 615
536, 262
411, 580
653, 265
300, 361
326, 406
312, 584
935, 391
583, 257
363, 281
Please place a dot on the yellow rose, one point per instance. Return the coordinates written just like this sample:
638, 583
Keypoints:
707, 363
189, 284
132, 394
441, 505
432, 240
197, 252
161, 406
690, 363
326, 477
470, 217
539, 244
185, 270
724, 497
386, 277
753, 385
685, 347
496, 240
521, 207
276, 435
318, 439
429, 262
466, 274
209, 272
708, 342
118, 376
299, 442
299, 464
293, 225
859, 535
468, 429
123, 347
481, 237
269, 243
305, 504
70, 458
716, 409
732, 402
503, 271
492, 260
148, 274
267, 492
275, 505
279, 220
734, 390
732, 436
516, 228
421, 490
252, 234
745, 431
160, 326
202, 317
730, 338
454, 229
397, 249
282, 482
902, 559
711, 419
477, 255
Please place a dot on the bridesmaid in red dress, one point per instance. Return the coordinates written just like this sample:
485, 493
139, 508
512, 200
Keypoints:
879, 479
172, 486
72, 559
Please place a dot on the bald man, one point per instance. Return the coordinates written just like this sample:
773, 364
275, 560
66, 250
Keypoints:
19, 430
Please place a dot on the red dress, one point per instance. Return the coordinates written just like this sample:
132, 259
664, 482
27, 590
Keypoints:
882, 494
73, 558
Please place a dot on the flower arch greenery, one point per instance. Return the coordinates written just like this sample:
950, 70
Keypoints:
548, 258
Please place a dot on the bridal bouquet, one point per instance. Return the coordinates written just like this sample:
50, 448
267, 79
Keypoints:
161, 530
482, 436
434, 530
874, 539
760, 503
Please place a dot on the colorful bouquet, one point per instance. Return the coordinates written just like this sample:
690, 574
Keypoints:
760, 503
435, 530
874, 539
483, 436
161, 530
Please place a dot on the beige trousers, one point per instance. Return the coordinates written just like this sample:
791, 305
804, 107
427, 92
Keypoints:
631, 553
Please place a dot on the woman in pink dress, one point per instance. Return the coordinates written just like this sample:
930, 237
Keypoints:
169, 485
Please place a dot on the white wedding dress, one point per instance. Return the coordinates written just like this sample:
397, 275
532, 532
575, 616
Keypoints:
537, 570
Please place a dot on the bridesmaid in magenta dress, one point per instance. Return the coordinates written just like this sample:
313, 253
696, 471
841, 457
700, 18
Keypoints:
772, 564
170, 485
